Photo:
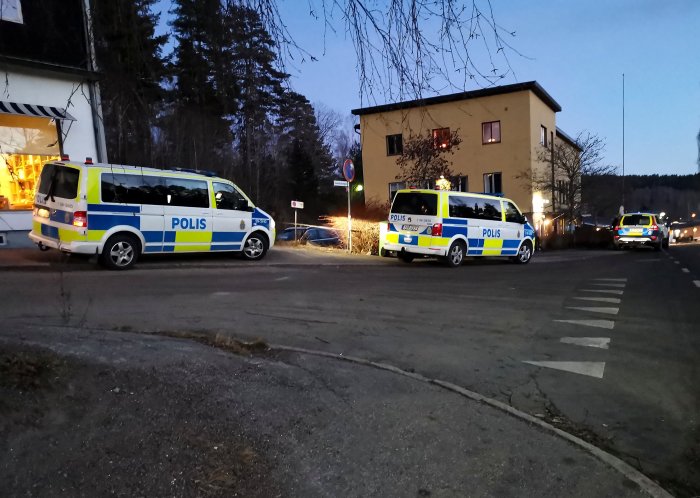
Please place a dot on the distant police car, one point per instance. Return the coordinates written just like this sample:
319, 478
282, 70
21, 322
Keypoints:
119, 212
452, 225
640, 229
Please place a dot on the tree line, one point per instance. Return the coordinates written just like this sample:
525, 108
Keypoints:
213, 96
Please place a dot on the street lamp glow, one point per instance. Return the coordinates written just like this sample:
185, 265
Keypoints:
359, 188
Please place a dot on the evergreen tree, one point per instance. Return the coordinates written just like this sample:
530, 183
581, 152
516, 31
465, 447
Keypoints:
129, 57
202, 98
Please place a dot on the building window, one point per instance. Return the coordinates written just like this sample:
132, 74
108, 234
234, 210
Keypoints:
562, 188
492, 183
543, 136
491, 132
394, 145
441, 138
395, 187
11, 10
26, 143
460, 183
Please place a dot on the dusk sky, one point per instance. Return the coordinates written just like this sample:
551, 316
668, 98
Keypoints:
578, 52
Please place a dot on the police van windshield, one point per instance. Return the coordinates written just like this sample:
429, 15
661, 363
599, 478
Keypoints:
59, 181
416, 203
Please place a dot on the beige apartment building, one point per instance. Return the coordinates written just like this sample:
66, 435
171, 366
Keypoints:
503, 130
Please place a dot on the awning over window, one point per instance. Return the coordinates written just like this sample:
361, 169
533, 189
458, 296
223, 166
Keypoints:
38, 111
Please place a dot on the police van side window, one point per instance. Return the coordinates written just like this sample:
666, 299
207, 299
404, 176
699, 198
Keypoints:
133, 189
460, 207
512, 213
490, 209
187, 193
227, 197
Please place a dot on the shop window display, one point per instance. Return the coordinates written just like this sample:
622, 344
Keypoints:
26, 143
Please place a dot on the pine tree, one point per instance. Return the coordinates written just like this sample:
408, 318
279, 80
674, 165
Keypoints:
129, 58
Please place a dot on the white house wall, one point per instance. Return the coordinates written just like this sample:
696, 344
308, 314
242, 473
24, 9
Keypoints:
59, 91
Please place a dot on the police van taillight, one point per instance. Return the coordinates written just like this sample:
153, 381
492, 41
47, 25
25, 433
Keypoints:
437, 230
80, 219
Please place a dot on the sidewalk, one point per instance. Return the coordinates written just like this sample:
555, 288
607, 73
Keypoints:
134, 414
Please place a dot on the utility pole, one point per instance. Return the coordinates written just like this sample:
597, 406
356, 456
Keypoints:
623, 144
551, 148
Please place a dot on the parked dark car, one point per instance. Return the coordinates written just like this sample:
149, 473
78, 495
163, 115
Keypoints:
288, 234
318, 236
591, 235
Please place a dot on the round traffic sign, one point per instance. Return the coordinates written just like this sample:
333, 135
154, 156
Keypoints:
349, 170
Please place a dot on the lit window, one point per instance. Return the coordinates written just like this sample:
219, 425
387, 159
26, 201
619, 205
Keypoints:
441, 138
11, 10
394, 145
492, 183
543, 136
491, 132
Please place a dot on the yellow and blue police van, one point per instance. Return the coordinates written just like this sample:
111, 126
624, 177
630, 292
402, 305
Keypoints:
120, 212
453, 225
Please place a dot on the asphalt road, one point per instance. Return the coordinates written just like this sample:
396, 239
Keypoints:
620, 330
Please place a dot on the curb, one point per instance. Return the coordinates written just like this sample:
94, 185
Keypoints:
646, 484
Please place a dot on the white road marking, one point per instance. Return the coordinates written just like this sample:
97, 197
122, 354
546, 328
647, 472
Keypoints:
591, 342
590, 368
611, 279
697, 283
281, 278
603, 324
219, 294
607, 311
619, 286
685, 270
676, 262
612, 300
604, 291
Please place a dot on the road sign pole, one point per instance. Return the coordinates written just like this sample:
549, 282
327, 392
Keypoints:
295, 224
349, 222
349, 174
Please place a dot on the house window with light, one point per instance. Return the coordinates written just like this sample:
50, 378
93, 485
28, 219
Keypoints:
491, 132
441, 138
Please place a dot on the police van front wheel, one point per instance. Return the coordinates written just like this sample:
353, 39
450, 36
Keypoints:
255, 246
121, 251
524, 253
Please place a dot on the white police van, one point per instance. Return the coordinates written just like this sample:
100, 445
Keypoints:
452, 225
120, 212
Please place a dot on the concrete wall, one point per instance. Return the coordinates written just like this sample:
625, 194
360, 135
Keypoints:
520, 114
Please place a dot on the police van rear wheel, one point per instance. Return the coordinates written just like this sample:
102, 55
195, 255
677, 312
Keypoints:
524, 253
121, 251
406, 257
255, 246
455, 256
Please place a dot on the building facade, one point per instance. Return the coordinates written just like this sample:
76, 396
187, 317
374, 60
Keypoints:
504, 131
49, 100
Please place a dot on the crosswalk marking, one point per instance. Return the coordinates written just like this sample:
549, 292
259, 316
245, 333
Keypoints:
605, 291
611, 279
685, 270
603, 324
600, 299
595, 309
591, 342
590, 368
610, 284
697, 283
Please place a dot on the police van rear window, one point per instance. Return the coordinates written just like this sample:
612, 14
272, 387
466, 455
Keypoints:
636, 219
415, 203
59, 181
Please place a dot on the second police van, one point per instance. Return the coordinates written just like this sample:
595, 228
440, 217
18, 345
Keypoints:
120, 212
452, 225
